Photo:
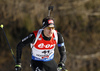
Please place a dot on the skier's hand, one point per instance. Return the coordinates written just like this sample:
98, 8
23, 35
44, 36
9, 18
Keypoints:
61, 66
18, 67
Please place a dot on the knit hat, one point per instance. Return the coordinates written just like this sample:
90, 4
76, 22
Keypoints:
47, 21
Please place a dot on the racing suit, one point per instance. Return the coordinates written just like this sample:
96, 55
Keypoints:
42, 50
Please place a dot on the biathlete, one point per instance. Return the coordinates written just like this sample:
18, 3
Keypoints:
42, 43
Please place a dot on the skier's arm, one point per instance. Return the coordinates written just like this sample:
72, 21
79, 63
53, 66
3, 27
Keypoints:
61, 48
27, 40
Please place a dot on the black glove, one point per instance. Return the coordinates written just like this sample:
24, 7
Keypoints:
61, 66
18, 67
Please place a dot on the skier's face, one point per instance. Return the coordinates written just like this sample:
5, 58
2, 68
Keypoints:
48, 31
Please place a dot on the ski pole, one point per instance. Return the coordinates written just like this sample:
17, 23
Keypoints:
8, 43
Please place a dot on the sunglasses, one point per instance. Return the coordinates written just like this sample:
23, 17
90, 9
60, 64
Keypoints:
49, 28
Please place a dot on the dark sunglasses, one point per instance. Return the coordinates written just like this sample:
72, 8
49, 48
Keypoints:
49, 28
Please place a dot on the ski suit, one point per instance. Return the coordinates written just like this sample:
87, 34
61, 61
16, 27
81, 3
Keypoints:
43, 50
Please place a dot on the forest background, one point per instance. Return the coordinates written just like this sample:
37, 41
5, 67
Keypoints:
77, 20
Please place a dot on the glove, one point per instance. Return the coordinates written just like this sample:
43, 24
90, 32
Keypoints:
18, 67
61, 66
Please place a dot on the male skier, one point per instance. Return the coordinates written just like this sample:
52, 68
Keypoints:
42, 43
